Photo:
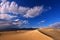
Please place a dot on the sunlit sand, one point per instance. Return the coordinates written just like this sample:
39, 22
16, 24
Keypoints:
24, 35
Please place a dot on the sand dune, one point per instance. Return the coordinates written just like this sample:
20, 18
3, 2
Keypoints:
52, 32
24, 35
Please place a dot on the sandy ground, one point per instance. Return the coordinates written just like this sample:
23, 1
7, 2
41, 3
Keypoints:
54, 33
24, 35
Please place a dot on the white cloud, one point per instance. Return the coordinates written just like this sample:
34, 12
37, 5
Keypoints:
7, 7
10, 24
42, 21
16, 20
6, 16
4, 9
55, 25
25, 22
4, 24
23, 10
18, 23
3, 0
12, 7
35, 11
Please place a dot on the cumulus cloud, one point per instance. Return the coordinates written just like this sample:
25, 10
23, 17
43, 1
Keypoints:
55, 25
12, 7
17, 23
35, 11
4, 9
10, 24
3, 0
20, 23
42, 21
25, 22
6, 16
7, 7
4, 23
23, 10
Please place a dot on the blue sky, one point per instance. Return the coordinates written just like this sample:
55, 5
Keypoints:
50, 12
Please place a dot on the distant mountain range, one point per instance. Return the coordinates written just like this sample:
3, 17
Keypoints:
15, 29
